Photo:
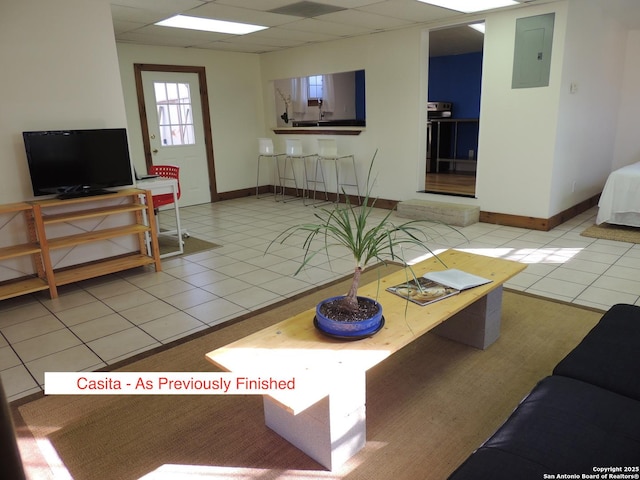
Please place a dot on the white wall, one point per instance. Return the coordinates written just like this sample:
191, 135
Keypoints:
59, 70
587, 119
392, 63
517, 126
235, 103
627, 146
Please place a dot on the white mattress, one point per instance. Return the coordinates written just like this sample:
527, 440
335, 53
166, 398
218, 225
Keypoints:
620, 200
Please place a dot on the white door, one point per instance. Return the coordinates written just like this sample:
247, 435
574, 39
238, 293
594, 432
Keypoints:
176, 132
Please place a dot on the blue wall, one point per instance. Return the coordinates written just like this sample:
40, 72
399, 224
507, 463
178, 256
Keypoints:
457, 79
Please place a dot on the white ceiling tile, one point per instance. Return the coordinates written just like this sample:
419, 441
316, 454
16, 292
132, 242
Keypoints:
410, 10
121, 26
349, 3
262, 5
158, 31
300, 35
133, 37
331, 28
133, 21
243, 15
137, 15
238, 47
364, 19
268, 41
167, 6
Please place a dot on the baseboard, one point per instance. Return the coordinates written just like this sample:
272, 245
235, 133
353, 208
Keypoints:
533, 223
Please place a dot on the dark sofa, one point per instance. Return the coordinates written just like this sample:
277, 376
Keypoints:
583, 421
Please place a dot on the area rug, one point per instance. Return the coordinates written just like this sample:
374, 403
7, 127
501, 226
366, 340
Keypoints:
428, 407
192, 245
618, 233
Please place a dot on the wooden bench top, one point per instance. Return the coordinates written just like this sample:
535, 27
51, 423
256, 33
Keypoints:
295, 346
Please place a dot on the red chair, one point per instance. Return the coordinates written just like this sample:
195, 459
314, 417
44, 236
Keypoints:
166, 171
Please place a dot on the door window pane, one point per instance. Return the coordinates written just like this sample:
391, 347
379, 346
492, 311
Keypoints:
175, 117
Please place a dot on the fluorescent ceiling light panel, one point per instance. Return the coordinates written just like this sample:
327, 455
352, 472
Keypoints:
470, 6
210, 25
478, 26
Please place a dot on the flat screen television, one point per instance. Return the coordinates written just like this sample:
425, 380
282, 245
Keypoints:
72, 163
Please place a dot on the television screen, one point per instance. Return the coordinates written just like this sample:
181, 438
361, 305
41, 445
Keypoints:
77, 162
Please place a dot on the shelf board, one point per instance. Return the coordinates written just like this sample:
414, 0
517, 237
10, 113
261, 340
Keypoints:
14, 207
96, 235
92, 213
52, 202
101, 267
22, 287
19, 250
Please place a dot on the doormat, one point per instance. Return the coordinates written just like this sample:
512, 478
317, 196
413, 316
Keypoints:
192, 245
618, 233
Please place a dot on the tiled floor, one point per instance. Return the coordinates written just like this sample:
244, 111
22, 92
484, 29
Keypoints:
96, 323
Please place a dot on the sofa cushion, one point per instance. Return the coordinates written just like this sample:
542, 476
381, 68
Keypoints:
609, 355
564, 426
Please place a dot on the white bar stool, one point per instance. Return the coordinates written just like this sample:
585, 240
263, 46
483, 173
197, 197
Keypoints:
328, 151
266, 151
293, 148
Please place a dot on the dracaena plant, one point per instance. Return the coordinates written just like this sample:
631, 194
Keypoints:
368, 240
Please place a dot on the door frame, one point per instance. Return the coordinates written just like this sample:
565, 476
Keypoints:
138, 68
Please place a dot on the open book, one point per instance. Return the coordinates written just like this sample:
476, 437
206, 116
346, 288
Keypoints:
434, 286
456, 279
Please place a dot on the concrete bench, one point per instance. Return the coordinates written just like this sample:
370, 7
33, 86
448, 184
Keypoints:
449, 213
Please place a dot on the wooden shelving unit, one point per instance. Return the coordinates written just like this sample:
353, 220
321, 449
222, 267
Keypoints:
140, 204
30, 284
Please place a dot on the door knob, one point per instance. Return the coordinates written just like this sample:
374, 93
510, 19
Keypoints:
155, 150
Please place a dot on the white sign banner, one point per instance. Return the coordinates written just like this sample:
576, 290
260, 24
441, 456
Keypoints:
169, 383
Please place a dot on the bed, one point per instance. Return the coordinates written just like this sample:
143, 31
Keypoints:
620, 200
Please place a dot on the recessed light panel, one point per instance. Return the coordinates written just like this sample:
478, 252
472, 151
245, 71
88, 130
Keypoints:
210, 25
470, 6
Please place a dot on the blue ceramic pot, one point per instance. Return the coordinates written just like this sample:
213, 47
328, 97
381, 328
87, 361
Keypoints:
348, 328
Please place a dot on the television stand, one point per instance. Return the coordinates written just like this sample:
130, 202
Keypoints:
135, 203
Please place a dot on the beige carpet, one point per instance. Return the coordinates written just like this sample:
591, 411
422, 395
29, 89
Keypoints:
613, 232
428, 407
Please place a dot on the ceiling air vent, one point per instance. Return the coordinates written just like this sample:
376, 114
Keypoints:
306, 9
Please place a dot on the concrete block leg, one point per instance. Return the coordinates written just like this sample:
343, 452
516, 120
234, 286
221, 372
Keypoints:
330, 431
478, 325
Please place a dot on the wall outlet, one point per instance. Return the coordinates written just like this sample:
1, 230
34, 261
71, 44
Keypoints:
573, 186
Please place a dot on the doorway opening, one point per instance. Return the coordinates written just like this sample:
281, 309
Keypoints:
453, 109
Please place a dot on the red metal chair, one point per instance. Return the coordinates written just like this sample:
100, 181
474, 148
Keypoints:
166, 171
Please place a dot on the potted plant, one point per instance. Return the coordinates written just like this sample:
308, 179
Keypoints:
350, 226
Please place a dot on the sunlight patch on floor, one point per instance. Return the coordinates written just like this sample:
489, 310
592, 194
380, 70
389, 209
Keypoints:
548, 255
